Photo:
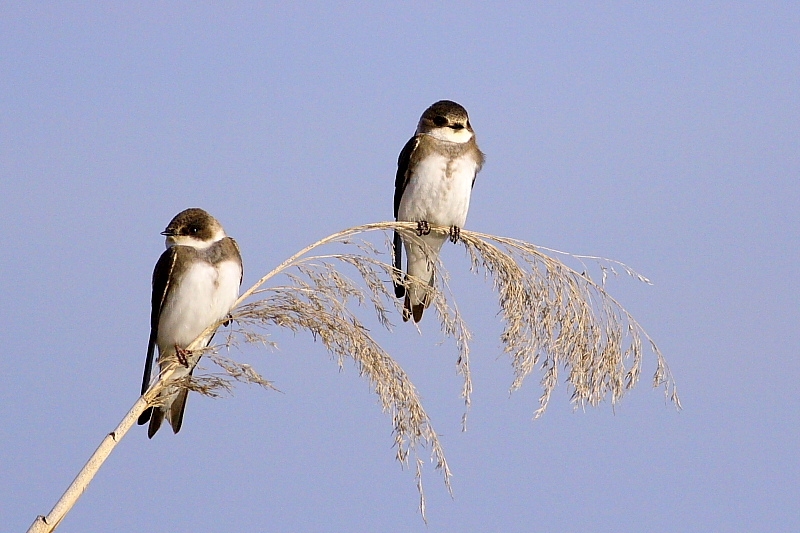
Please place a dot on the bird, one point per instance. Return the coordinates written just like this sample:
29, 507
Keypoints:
195, 283
436, 171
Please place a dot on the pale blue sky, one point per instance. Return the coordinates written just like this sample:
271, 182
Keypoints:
665, 135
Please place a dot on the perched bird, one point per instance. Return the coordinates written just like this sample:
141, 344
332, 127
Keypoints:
435, 174
195, 283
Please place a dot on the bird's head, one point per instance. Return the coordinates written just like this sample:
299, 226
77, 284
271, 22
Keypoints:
193, 227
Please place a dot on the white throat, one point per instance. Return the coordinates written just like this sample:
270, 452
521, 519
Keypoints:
450, 135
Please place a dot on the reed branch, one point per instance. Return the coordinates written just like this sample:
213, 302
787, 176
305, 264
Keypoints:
555, 319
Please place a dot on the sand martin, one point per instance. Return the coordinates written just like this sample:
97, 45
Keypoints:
195, 283
435, 174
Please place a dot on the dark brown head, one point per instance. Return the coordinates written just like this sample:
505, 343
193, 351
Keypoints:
446, 120
193, 227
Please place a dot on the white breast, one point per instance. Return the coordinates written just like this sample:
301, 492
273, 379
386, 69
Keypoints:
204, 296
439, 191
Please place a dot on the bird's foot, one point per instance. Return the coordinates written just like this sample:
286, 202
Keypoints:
228, 320
182, 354
423, 228
455, 234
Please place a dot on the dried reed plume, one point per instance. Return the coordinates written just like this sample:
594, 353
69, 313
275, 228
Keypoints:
555, 318
558, 318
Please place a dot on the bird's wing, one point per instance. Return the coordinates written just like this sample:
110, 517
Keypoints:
479, 161
400, 182
239, 256
161, 286
401, 178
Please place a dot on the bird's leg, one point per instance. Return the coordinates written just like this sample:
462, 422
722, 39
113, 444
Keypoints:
455, 234
423, 228
182, 354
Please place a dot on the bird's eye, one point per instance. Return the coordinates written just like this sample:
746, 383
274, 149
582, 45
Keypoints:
468, 125
457, 126
193, 230
440, 121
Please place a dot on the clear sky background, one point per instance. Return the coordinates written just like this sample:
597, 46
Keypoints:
664, 135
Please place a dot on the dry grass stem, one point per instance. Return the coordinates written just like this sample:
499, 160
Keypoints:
561, 320
556, 320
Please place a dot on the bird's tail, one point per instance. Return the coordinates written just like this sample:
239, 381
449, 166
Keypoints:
173, 412
419, 283
156, 418
176, 410
172, 409
413, 310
